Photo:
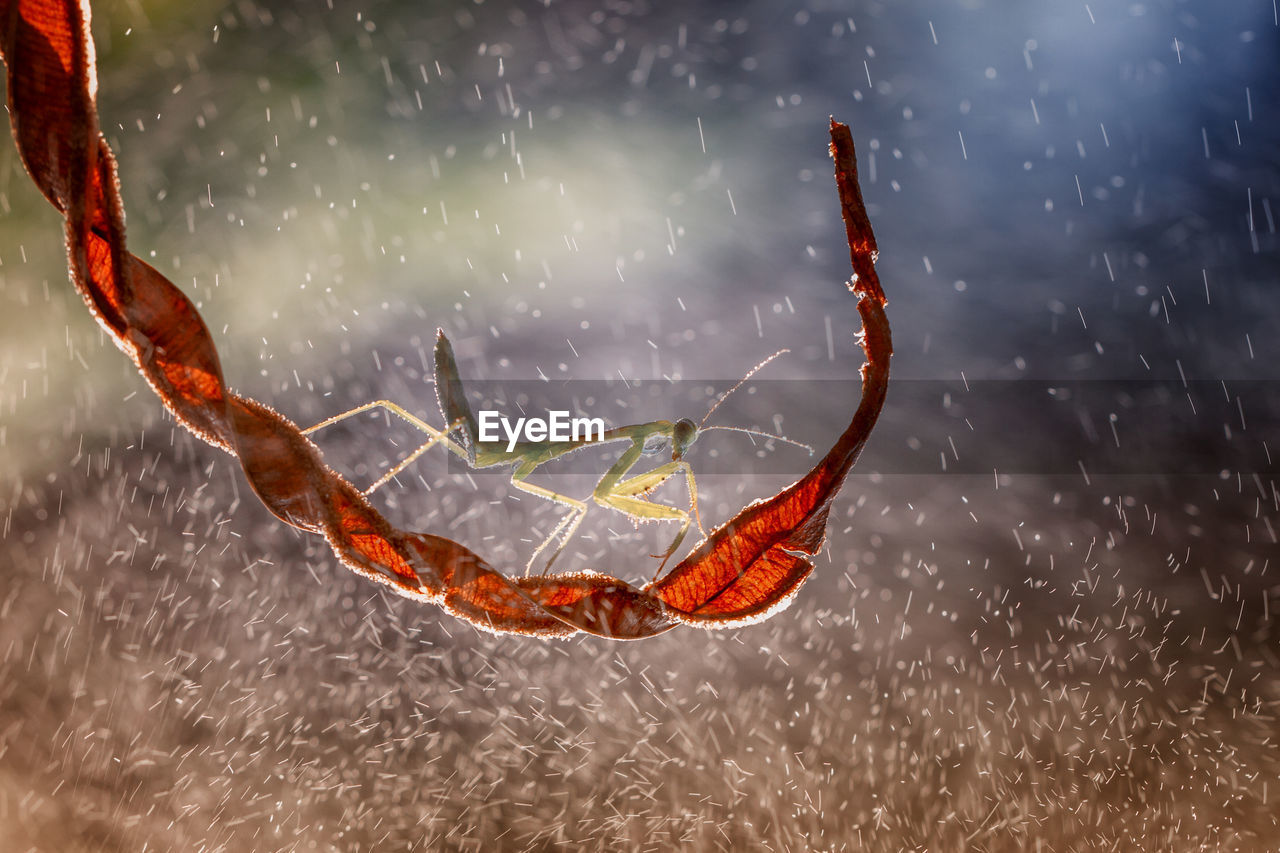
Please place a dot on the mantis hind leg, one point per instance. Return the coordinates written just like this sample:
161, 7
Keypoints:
436, 436
568, 525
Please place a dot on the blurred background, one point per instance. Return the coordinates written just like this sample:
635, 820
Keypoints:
1045, 616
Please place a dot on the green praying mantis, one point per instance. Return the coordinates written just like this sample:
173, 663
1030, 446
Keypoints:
618, 489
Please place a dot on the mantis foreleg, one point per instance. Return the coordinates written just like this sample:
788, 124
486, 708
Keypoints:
624, 494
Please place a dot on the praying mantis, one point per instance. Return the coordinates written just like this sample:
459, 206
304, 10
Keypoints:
618, 489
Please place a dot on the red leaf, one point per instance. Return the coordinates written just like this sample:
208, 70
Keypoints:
744, 571
749, 567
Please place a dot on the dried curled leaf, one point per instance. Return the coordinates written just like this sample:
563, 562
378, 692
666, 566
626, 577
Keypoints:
744, 571
752, 565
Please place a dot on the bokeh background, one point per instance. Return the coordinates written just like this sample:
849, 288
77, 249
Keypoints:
1045, 618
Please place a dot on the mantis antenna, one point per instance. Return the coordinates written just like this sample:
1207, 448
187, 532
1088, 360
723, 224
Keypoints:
763, 434
752, 372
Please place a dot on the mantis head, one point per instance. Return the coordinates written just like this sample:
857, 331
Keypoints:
684, 433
